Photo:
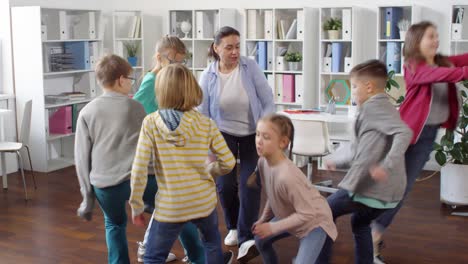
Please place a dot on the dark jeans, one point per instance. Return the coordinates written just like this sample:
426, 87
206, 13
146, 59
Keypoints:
162, 236
341, 204
415, 157
189, 236
241, 213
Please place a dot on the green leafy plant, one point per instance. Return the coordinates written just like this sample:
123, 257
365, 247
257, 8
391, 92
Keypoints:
453, 146
390, 84
332, 24
132, 48
293, 57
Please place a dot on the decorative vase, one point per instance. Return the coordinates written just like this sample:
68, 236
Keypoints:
333, 34
402, 34
294, 65
132, 61
185, 27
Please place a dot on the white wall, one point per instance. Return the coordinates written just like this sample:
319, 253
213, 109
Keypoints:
156, 14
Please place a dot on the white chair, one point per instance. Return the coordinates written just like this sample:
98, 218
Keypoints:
23, 141
311, 140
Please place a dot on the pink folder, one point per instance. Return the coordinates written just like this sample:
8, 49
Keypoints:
288, 88
61, 121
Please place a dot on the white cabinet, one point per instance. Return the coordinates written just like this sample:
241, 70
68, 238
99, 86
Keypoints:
196, 28
127, 28
341, 50
272, 36
54, 57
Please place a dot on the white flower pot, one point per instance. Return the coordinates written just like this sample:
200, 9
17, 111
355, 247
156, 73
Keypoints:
333, 34
294, 65
454, 184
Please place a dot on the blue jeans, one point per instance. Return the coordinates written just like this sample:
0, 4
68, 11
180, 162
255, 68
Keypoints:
415, 157
240, 215
309, 246
162, 236
341, 204
112, 201
189, 236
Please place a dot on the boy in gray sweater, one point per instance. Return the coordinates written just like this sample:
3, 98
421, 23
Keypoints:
105, 143
376, 179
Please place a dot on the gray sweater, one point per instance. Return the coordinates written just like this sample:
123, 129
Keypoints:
381, 138
107, 133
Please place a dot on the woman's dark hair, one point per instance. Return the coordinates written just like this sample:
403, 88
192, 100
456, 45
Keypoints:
220, 34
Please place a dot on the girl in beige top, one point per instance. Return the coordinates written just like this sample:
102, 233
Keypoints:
294, 206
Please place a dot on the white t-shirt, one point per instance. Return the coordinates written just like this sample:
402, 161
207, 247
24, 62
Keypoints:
234, 104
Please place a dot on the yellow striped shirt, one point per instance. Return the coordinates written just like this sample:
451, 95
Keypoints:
186, 186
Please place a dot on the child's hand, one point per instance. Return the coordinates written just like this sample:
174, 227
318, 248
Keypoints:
211, 158
259, 222
330, 165
263, 230
158, 65
378, 173
139, 220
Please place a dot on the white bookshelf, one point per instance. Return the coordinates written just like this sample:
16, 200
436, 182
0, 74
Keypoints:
204, 24
37, 33
128, 27
281, 30
351, 48
458, 30
390, 36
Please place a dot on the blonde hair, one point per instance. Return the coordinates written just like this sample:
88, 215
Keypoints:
176, 88
109, 69
170, 42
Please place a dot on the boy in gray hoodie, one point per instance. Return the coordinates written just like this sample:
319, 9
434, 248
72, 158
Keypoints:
376, 179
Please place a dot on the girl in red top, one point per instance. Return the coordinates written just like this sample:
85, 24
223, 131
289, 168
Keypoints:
431, 102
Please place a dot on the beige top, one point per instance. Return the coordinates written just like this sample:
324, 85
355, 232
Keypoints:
291, 198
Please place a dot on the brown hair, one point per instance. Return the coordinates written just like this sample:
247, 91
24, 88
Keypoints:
411, 49
110, 68
177, 88
285, 127
220, 34
374, 69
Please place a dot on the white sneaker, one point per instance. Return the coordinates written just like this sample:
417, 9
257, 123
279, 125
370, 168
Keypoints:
142, 249
231, 238
378, 260
247, 251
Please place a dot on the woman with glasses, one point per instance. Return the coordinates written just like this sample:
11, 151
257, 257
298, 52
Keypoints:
169, 50
236, 95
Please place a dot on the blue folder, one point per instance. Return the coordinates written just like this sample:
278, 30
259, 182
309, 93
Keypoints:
394, 56
337, 57
80, 53
262, 55
392, 17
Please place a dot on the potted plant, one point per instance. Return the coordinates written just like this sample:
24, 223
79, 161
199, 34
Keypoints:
403, 26
452, 155
389, 86
294, 60
333, 27
132, 50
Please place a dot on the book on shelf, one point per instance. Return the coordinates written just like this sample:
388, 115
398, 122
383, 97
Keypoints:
79, 52
135, 27
292, 32
60, 120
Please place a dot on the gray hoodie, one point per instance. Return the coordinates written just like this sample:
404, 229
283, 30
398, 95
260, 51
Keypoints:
381, 138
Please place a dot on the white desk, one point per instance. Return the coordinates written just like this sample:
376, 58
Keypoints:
4, 114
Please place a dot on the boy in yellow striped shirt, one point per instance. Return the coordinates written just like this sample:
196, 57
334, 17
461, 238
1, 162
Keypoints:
180, 138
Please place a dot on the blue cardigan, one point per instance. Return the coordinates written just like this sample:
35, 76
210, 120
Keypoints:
256, 86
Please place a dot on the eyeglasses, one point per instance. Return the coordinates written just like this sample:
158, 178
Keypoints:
131, 78
183, 62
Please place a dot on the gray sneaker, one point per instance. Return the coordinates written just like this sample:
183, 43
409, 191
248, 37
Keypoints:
141, 253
